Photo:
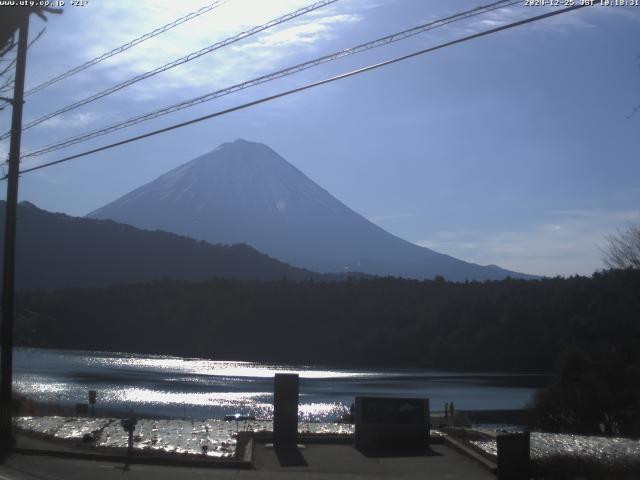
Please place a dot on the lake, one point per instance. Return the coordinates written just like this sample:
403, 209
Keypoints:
165, 386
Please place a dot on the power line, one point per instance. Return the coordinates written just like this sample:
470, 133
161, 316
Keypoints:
126, 46
307, 87
272, 76
175, 63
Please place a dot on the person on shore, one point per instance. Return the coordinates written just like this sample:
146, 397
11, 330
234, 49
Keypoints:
446, 411
451, 411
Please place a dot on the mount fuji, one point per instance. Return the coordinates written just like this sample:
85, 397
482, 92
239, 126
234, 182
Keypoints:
244, 192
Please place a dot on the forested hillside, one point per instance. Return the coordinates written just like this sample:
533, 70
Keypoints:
55, 250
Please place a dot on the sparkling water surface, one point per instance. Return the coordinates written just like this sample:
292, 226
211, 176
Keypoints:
219, 437
605, 450
171, 387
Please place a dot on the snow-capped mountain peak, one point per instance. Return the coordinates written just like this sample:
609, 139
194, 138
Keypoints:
244, 192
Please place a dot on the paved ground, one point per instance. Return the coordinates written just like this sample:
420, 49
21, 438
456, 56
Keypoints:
331, 462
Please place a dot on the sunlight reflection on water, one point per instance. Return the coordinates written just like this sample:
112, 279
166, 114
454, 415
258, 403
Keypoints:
198, 366
606, 450
170, 387
171, 436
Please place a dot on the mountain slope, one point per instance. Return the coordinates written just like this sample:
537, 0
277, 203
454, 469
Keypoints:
246, 192
55, 250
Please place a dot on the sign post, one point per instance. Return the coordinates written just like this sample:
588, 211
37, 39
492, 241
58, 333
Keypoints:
129, 425
92, 402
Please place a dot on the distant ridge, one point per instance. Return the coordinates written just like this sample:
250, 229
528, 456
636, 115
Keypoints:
55, 250
245, 192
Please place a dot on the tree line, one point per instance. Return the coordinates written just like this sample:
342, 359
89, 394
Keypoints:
500, 325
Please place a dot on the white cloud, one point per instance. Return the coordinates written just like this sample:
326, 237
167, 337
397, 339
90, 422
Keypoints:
228, 65
72, 120
503, 16
569, 242
320, 29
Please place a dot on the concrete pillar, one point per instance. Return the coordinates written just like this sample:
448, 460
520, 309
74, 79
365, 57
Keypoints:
285, 409
514, 460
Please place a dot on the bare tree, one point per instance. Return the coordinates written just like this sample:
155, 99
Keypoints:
10, 20
623, 249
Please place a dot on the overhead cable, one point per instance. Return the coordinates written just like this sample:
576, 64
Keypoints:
307, 87
270, 77
126, 46
175, 63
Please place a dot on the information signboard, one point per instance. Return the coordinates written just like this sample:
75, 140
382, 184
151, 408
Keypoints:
398, 424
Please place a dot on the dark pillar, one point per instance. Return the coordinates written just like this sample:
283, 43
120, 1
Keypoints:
6, 331
514, 460
285, 410
129, 425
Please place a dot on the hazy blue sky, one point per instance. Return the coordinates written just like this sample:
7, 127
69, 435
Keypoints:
514, 149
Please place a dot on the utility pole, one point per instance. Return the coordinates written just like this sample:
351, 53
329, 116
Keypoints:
8, 285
